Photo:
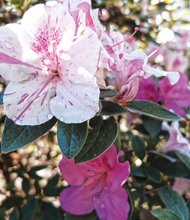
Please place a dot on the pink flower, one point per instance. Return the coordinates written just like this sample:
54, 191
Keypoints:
127, 70
96, 184
176, 141
148, 90
176, 60
181, 185
128, 64
176, 97
49, 62
172, 59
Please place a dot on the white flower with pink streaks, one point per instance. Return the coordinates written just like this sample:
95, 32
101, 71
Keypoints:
129, 65
51, 64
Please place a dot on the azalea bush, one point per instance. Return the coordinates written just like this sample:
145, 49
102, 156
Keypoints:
95, 104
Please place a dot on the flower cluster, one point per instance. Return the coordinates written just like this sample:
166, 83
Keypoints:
44, 54
57, 61
171, 56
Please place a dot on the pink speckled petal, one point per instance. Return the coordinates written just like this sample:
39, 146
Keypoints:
27, 103
17, 60
76, 103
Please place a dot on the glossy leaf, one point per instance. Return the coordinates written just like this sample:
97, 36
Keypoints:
2, 213
14, 215
111, 108
1, 98
184, 159
15, 136
165, 214
95, 125
138, 172
138, 146
172, 200
103, 133
151, 109
30, 209
105, 93
153, 174
71, 138
152, 126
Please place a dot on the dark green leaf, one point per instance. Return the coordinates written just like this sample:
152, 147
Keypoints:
2, 213
163, 155
50, 212
104, 93
165, 214
12, 201
1, 98
151, 109
95, 125
152, 126
184, 159
138, 172
15, 136
105, 134
138, 146
153, 174
71, 138
26, 185
117, 141
111, 108
14, 215
172, 166
30, 209
52, 188
188, 205
172, 200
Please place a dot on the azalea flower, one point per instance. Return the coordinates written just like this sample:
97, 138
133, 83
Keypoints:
128, 64
148, 90
177, 142
128, 70
96, 184
182, 186
51, 64
171, 59
175, 97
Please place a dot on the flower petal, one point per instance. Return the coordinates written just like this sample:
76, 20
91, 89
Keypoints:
47, 19
112, 205
176, 97
119, 175
172, 76
77, 200
27, 103
176, 141
76, 173
17, 60
90, 46
76, 103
